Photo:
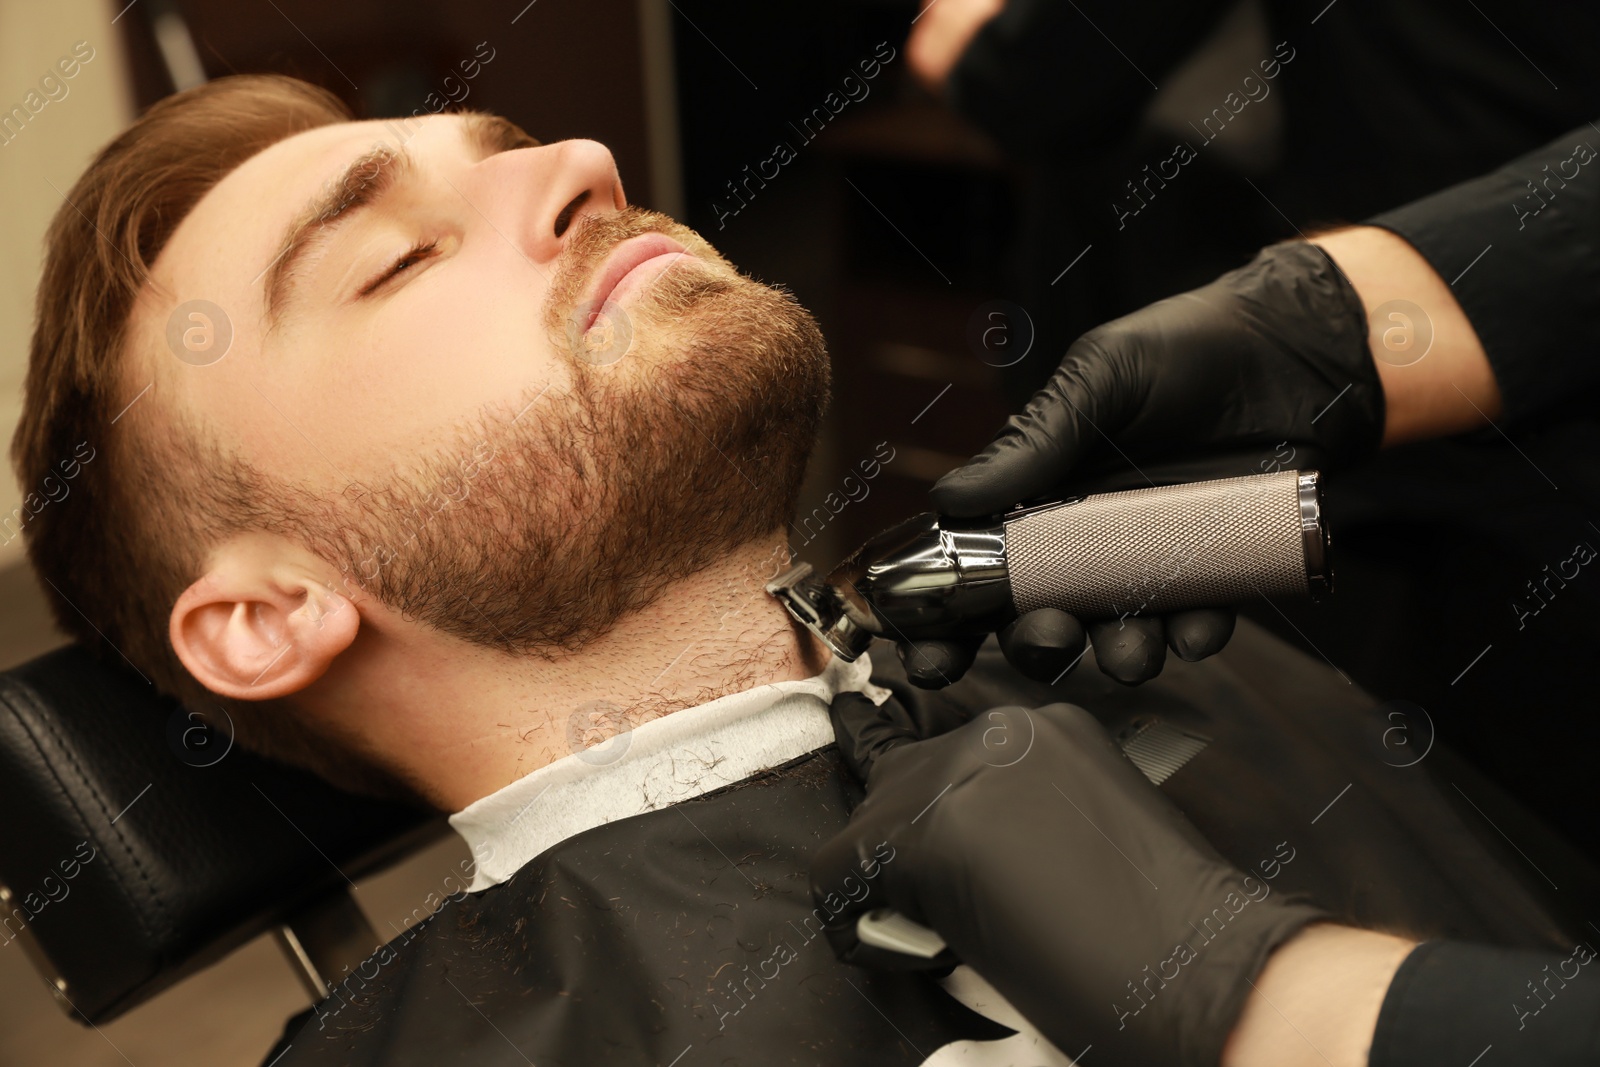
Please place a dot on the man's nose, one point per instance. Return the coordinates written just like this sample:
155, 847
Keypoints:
545, 190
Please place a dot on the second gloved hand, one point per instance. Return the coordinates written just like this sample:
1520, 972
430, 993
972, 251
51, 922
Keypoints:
1052, 867
1266, 368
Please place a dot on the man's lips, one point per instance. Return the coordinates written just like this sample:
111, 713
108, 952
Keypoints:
624, 259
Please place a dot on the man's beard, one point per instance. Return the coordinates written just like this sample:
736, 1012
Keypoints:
551, 518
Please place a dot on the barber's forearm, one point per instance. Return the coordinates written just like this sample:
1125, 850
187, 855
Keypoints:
945, 31
1436, 376
1316, 1002
1520, 247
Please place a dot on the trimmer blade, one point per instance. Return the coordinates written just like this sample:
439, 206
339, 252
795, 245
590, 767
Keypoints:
818, 605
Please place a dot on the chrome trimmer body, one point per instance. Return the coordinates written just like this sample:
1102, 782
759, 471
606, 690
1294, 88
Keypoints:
1105, 556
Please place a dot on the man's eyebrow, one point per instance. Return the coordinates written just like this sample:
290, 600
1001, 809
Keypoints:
360, 185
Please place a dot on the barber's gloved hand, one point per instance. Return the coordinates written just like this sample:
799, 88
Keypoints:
1266, 368
1053, 867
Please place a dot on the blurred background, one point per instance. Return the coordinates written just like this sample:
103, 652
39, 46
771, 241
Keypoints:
952, 229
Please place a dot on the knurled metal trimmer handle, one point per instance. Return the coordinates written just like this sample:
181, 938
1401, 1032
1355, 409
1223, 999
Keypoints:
1146, 551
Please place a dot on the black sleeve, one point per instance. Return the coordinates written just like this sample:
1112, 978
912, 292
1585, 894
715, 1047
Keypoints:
1519, 248
1045, 79
1450, 1004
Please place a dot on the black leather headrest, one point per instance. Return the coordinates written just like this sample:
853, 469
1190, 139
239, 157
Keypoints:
134, 855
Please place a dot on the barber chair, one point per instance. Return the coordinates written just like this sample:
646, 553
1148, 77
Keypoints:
139, 846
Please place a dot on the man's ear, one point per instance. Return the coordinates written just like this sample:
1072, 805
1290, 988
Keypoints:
260, 623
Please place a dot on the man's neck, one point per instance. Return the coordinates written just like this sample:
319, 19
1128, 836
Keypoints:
459, 722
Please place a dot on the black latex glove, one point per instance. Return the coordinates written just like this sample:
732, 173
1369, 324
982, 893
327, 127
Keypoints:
1053, 867
1236, 377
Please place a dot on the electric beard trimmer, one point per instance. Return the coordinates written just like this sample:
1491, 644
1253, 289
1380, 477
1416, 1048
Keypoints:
1106, 556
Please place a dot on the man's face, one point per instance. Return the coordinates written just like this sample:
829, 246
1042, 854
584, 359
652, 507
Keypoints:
447, 378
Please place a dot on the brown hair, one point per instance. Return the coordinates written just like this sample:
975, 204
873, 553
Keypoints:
148, 495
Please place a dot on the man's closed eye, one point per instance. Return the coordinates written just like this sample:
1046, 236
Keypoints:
417, 254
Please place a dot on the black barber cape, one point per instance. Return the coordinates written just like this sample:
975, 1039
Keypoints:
688, 930
687, 936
